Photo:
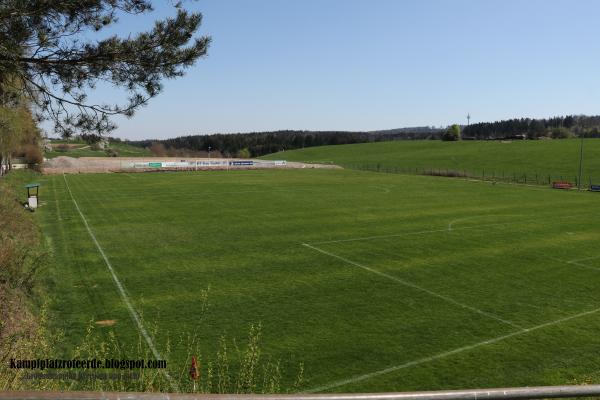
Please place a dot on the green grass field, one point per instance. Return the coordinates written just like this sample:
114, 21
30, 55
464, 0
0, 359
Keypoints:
376, 282
124, 150
532, 159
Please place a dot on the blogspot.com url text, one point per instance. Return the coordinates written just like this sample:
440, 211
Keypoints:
108, 363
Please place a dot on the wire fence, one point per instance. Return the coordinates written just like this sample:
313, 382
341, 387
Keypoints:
492, 175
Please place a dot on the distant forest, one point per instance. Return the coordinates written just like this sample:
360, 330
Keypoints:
256, 144
528, 128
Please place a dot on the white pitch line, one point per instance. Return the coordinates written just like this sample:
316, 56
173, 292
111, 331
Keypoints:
410, 233
383, 236
583, 265
132, 312
414, 286
451, 228
582, 259
382, 188
447, 353
572, 262
431, 231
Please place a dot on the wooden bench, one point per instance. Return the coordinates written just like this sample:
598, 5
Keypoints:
562, 185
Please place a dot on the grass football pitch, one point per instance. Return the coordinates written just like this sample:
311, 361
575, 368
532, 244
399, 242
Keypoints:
376, 282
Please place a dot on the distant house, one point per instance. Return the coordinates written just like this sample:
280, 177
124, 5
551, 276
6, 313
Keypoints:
518, 137
18, 163
510, 137
103, 144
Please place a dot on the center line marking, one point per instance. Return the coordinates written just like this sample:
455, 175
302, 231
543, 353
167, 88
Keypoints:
414, 286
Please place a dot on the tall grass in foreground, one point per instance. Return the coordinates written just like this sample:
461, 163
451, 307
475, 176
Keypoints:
22, 255
232, 369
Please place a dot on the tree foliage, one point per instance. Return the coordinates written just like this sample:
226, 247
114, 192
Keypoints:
18, 129
46, 55
555, 127
260, 143
452, 133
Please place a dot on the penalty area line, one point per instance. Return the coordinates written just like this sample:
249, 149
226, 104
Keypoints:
415, 286
450, 228
451, 223
121, 289
447, 353
572, 262
412, 233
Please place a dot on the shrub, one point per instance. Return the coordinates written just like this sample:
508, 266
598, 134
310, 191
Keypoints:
158, 149
561, 133
112, 153
243, 153
452, 133
33, 155
445, 172
90, 138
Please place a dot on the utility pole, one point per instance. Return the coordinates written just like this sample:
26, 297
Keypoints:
580, 160
209, 152
468, 119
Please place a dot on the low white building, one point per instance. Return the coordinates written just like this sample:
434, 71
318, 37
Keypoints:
103, 144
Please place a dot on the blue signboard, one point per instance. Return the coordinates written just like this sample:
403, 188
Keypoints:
595, 188
241, 163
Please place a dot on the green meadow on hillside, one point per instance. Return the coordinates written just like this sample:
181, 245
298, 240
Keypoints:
542, 159
375, 282
80, 149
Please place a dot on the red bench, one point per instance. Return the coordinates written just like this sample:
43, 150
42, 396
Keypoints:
562, 185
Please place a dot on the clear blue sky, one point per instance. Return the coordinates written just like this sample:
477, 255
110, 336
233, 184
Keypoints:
378, 64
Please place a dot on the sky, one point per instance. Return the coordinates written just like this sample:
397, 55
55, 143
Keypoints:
374, 64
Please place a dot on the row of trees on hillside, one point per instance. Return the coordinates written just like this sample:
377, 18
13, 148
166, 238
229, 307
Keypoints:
260, 143
256, 144
556, 127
